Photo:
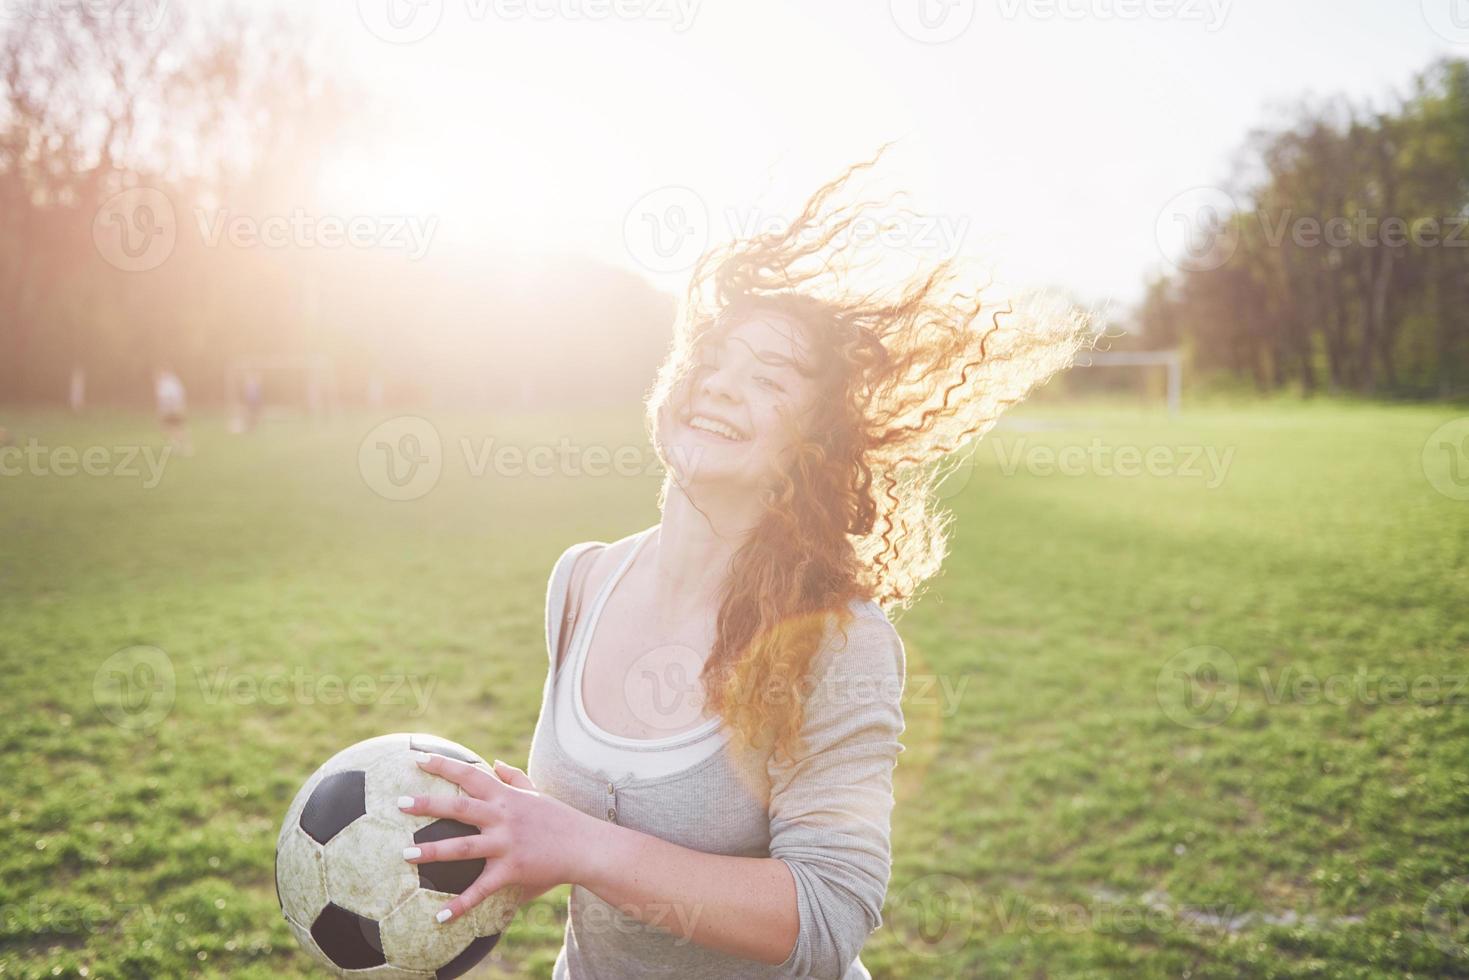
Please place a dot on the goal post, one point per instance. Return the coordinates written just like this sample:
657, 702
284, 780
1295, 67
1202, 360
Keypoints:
1170, 360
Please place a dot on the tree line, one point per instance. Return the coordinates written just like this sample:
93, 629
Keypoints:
1337, 259
124, 141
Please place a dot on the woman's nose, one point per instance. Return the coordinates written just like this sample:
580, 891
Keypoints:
718, 383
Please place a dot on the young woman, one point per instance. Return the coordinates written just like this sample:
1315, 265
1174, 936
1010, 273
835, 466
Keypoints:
713, 766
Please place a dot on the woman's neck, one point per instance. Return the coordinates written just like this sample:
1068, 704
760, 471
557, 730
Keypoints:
694, 547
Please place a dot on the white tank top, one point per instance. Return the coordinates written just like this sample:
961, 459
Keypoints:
590, 745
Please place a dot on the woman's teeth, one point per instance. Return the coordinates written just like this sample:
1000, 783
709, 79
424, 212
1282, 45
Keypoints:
716, 427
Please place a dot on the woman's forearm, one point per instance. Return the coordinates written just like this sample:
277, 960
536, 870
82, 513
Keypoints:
742, 906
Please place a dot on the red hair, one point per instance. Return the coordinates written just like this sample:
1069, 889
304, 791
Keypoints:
904, 377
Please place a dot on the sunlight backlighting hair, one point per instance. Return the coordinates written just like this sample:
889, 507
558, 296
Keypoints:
905, 376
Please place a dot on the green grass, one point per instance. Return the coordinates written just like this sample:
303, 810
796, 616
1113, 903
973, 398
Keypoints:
1060, 812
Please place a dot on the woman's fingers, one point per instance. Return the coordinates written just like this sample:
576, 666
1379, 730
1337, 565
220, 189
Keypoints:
494, 878
513, 776
465, 809
475, 780
453, 849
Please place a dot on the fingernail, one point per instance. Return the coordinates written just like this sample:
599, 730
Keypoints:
443, 916
409, 853
498, 763
420, 757
404, 802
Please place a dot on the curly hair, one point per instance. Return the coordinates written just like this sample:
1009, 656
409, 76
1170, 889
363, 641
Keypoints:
905, 375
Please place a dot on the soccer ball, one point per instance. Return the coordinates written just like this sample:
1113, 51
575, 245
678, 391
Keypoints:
342, 883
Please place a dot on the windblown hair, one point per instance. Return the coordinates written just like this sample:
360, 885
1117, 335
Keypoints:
905, 376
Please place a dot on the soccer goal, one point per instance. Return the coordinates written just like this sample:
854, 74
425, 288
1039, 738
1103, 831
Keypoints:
1171, 361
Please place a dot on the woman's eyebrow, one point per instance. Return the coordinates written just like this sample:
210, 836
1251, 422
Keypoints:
771, 357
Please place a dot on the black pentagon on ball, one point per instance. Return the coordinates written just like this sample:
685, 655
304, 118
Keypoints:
452, 877
347, 939
439, 746
337, 800
467, 958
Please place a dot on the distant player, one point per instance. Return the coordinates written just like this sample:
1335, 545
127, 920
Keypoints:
168, 392
254, 395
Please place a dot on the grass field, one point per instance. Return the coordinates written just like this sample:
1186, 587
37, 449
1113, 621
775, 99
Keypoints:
1208, 720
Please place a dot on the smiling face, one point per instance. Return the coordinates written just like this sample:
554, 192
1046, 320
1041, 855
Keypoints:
739, 409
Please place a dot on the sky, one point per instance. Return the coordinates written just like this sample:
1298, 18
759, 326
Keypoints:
1050, 138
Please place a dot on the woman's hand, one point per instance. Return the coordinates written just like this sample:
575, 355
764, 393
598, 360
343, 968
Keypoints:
526, 838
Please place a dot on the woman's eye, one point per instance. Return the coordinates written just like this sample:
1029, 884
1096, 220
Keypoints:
771, 383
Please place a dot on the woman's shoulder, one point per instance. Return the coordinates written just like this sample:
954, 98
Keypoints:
592, 562
864, 643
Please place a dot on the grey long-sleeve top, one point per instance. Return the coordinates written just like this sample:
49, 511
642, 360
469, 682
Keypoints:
826, 814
